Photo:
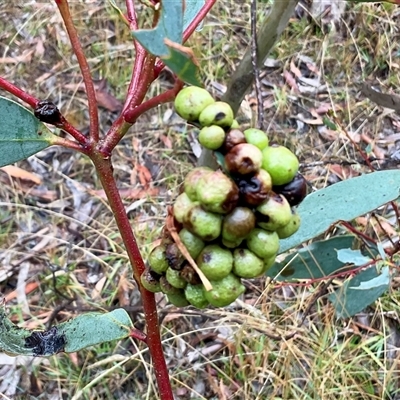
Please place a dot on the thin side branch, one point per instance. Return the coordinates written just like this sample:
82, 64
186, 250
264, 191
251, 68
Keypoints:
84, 67
17, 92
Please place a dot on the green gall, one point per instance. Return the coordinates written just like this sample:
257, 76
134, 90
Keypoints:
191, 101
224, 291
291, 227
174, 278
194, 245
204, 224
246, 264
178, 299
182, 206
256, 137
218, 113
280, 163
217, 192
263, 243
274, 213
150, 280
195, 296
212, 137
215, 262
158, 260
191, 180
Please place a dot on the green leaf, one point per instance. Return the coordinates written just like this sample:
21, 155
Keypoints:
192, 8
165, 41
315, 261
170, 26
181, 60
95, 328
347, 299
81, 332
382, 279
21, 133
343, 201
350, 256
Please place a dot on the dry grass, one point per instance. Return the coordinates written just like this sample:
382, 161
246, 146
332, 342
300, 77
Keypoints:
59, 236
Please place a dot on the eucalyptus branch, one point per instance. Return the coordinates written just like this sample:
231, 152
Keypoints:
17, 92
84, 67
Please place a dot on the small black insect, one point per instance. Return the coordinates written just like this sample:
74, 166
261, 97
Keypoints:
46, 111
45, 343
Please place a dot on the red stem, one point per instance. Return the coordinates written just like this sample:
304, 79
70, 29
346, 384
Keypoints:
59, 141
16, 91
75, 133
197, 19
141, 80
132, 115
105, 173
132, 17
189, 31
84, 67
33, 101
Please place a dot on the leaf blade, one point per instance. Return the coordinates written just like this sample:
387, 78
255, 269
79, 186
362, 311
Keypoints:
315, 261
345, 200
21, 133
347, 300
170, 26
94, 328
83, 331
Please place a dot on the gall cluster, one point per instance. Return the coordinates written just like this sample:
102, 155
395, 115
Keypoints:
230, 220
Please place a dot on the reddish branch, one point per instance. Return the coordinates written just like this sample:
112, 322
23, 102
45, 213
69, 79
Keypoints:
132, 115
16, 91
33, 102
105, 173
84, 67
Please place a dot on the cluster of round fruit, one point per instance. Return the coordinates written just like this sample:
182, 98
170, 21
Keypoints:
229, 220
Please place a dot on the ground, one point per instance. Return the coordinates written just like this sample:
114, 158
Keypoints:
61, 253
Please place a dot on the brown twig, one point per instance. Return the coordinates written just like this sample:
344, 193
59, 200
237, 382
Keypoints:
254, 62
